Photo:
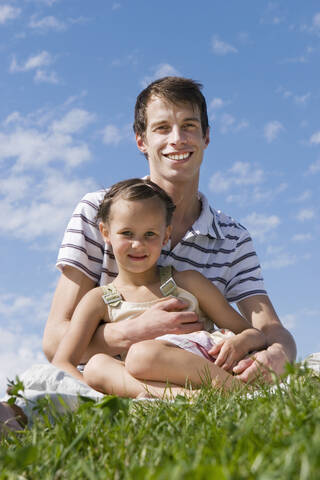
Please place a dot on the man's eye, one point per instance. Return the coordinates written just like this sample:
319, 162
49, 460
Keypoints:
162, 128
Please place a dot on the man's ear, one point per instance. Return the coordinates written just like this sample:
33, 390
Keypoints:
167, 235
141, 143
104, 232
207, 137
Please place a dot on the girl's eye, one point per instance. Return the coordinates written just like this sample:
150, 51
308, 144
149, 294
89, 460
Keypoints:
149, 234
127, 233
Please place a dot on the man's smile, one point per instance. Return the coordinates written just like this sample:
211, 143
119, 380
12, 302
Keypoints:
178, 156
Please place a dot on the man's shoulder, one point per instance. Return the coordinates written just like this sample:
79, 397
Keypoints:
94, 197
224, 223
90, 202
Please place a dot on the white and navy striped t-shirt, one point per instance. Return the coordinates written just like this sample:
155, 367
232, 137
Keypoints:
216, 245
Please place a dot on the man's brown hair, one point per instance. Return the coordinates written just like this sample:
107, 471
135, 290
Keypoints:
175, 90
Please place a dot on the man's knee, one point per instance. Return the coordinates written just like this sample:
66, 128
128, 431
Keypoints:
142, 357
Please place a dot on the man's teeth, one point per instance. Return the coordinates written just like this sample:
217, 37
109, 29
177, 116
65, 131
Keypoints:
181, 156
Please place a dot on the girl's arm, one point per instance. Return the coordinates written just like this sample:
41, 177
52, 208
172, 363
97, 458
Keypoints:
216, 307
85, 320
211, 301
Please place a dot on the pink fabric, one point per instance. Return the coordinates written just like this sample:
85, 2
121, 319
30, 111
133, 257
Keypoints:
198, 342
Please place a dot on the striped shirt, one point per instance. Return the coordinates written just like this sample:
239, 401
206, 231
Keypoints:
216, 245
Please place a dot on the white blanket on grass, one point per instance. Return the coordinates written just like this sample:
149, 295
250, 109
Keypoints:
43, 380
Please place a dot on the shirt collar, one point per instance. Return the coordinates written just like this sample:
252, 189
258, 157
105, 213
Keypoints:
207, 222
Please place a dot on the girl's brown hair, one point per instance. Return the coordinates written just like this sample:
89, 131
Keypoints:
134, 189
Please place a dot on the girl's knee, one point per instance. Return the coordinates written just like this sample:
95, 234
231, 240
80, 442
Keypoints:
93, 370
141, 358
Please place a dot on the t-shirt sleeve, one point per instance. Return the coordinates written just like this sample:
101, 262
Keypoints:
245, 275
82, 245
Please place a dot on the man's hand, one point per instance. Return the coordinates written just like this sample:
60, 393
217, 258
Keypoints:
166, 316
262, 364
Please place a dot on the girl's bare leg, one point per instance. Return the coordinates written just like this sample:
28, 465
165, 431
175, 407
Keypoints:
159, 360
108, 375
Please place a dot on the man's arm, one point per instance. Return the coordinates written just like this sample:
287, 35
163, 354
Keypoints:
259, 311
72, 286
111, 338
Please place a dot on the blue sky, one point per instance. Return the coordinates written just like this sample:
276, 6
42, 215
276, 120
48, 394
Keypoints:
69, 75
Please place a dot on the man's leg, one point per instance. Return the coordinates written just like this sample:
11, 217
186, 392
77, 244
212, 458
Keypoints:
158, 360
108, 375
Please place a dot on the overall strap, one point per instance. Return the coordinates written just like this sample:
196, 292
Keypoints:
168, 285
111, 296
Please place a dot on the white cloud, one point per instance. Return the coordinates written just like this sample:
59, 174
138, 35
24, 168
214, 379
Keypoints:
302, 99
298, 99
302, 237
241, 125
272, 130
217, 103
19, 350
160, 71
7, 12
20, 341
240, 174
306, 195
314, 167
42, 76
74, 121
256, 195
303, 58
112, 135
289, 320
36, 148
315, 138
226, 122
280, 258
260, 225
47, 23
316, 21
36, 61
219, 47
44, 208
306, 214
13, 117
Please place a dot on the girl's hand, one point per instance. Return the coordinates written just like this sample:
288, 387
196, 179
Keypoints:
228, 352
233, 349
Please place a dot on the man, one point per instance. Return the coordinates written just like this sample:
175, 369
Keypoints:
172, 131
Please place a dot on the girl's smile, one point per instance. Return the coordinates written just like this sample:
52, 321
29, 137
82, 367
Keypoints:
137, 231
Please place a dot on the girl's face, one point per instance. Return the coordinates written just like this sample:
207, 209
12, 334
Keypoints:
137, 232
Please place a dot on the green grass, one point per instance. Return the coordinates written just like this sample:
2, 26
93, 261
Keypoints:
271, 436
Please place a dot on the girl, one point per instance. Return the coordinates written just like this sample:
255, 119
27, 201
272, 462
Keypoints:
135, 218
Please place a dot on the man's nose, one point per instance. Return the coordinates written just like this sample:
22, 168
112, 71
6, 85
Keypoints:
177, 135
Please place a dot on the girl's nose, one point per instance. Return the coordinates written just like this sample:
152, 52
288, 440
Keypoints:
136, 243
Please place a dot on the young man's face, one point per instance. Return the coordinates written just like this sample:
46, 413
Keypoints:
173, 141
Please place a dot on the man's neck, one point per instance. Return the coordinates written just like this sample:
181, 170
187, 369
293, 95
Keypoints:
188, 208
